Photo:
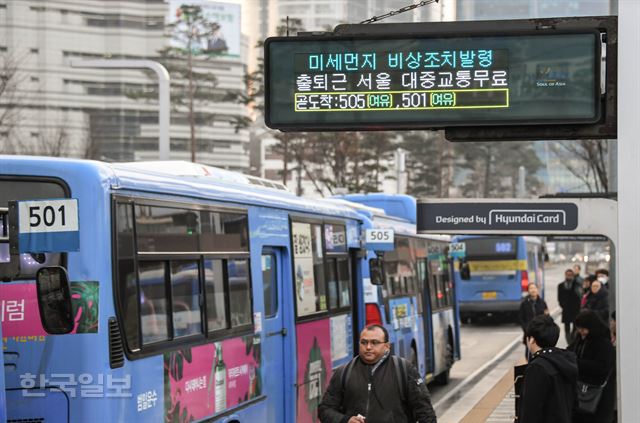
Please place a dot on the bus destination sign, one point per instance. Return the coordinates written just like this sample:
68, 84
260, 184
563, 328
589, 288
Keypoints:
337, 83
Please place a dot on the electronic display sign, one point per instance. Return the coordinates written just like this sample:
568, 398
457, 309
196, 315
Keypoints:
357, 82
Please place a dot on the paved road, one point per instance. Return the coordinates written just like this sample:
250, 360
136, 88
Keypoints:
481, 341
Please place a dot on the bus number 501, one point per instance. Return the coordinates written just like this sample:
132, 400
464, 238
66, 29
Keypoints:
47, 216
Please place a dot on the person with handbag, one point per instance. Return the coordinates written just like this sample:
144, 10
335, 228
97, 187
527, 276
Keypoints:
548, 388
596, 370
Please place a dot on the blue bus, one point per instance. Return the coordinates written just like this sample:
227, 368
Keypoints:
495, 272
172, 292
409, 289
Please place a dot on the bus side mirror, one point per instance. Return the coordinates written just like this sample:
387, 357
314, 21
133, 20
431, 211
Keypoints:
376, 271
54, 300
465, 271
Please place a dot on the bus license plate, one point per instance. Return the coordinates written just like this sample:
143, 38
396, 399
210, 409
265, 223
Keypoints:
489, 295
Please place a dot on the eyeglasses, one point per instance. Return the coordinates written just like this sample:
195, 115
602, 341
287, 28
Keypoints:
373, 342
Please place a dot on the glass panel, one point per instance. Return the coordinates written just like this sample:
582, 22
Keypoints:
305, 286
318, 267
28, 190
335, 238
185, 292
224, 232
332, 280
214, 291
270, 284
165, 229
433, 292
344, 277
502, 248
153, 302
127, 281
239, 292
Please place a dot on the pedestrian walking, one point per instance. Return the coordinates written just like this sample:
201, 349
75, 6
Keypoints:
531, 306
549, 385
598, 300
569, 295
376, 387
596, 365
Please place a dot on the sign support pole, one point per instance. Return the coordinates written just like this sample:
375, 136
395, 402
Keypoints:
628, 314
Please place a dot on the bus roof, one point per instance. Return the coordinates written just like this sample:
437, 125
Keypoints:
170, 178
396, 205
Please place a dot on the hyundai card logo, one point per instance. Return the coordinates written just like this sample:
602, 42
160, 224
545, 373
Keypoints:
509, 217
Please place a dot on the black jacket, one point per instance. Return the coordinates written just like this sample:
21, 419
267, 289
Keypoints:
383, 404
549, 387
596, 361
530, 309
569, 299
599, 303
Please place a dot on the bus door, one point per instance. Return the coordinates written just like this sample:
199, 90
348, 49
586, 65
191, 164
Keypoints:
425, 289
275, 332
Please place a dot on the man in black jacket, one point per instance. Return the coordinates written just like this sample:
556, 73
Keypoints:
549, 387
569, 296
368, 389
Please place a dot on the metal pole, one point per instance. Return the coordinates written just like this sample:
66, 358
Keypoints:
628, 290
164, 85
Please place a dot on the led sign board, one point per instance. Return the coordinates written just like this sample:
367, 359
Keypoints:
375, 82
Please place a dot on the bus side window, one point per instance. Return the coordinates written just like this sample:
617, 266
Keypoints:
239, 292
270, 284
332, 281
214, 291
344, 282
153, 302
185, 289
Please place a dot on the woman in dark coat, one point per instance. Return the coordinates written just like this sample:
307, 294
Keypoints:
598, 300
596, 364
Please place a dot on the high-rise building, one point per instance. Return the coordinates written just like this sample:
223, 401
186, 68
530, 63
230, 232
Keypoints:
112, 114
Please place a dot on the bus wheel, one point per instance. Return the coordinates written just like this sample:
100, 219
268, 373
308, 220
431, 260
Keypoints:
444, 377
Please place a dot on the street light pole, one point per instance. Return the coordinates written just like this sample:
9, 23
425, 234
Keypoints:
163, 92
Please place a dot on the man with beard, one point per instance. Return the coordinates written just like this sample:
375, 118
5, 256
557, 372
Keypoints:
376, 387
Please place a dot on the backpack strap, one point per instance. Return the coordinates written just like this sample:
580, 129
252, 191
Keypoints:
400, 366
346, 372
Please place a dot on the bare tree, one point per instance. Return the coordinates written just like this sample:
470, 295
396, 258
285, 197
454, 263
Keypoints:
11, 100
586, 160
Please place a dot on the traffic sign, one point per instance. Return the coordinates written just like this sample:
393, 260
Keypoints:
379, 239
48, 225
501, 216
457, 250
428, 80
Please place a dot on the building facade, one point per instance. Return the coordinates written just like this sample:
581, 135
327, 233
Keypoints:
108, 114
